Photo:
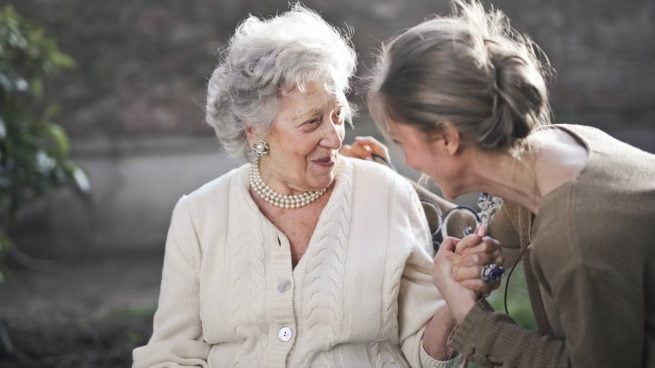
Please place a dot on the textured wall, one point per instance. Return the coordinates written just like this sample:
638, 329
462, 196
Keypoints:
143, 64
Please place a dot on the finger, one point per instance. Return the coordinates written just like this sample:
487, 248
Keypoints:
366, 146
476, 259
376, 146
454, 257
445, 258
346, 150
498, 257
482, 247
468, 241
461, 274
449, 244
486, 245
361, 152
481, 230
368, 140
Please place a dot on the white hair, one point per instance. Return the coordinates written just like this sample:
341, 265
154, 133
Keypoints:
266, 58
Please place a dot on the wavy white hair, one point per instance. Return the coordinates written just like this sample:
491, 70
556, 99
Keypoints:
266, 58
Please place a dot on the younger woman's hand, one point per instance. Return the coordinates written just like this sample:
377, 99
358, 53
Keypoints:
475, 253
364, 148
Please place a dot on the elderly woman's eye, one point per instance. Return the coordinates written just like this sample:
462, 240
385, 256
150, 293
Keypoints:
313, 121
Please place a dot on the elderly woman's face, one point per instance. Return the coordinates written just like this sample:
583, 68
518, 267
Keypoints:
304, 140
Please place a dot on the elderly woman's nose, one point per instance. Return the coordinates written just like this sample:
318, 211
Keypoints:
332, 135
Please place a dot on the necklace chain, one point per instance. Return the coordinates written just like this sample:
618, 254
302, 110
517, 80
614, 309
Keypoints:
276, 199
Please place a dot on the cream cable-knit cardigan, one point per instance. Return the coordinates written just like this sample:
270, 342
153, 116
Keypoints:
359, 297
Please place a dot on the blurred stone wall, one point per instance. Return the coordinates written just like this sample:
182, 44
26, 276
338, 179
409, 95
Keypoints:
134, 104
143, 65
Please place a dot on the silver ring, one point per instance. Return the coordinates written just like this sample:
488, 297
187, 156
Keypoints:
492, 273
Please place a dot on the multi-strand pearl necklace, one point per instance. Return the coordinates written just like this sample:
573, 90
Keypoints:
276, 199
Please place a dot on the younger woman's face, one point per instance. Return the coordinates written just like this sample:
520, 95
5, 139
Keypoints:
429, 155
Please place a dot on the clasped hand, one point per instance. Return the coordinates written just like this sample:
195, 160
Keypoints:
458, 266
459, 262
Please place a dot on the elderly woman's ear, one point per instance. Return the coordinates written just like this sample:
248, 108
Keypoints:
253, 134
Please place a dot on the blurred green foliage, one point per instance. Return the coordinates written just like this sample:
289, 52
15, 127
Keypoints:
34, 151
518, 300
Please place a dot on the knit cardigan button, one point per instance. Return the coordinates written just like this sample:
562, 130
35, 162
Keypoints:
285, 334
283, 286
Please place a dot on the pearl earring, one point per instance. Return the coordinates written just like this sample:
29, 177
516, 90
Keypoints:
261, 148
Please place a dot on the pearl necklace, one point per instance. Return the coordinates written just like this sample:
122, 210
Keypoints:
276, 199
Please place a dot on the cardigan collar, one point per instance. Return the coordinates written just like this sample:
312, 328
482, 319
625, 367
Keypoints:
333, 220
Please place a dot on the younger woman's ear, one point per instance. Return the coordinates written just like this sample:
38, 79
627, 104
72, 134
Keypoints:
451, 137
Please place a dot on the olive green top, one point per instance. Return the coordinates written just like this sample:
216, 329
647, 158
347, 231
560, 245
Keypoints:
590, 268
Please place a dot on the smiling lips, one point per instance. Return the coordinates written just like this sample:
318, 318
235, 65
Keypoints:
327, 161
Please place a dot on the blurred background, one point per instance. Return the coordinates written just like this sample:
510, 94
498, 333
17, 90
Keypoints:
80, 258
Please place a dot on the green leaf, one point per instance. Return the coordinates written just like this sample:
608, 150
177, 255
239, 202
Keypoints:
59, 137
37, 88
62, 61
51, 111
5, 241
34, 150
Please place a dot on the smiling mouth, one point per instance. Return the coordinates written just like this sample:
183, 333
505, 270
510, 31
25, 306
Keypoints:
325, 161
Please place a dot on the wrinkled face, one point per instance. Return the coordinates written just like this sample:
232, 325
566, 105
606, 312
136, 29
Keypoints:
304, 140
431, 157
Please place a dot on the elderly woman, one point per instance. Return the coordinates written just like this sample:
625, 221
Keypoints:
302, 258
465, 98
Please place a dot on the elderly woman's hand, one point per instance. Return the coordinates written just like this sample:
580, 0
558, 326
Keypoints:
365, 148
460, 299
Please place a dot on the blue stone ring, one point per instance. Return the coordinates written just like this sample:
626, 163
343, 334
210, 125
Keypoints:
492, 273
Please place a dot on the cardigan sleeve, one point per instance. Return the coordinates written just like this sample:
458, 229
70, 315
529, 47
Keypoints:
177, 339
605, 334
418, 297
418, 301
491, 338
